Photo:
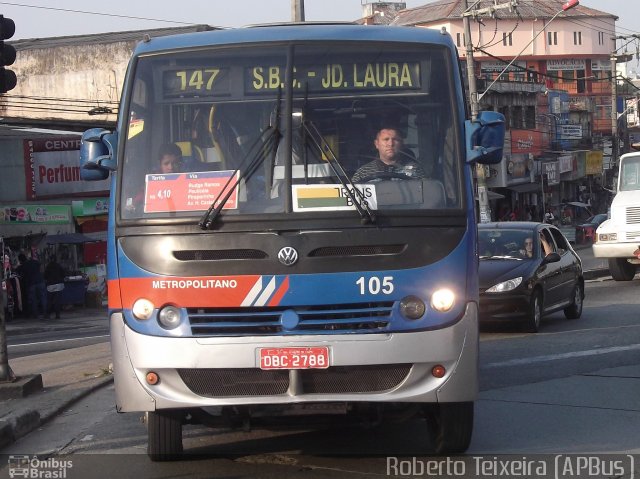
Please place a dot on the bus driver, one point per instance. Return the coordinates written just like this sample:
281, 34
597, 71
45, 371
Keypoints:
392, 161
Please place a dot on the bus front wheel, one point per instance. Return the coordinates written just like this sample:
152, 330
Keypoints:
164, 429
451, 426
621, 269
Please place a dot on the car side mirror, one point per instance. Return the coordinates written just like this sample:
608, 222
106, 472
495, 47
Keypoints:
551, 258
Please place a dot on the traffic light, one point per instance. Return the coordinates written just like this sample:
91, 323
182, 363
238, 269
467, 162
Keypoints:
8, 78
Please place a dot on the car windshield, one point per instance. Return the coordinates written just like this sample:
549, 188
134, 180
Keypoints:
209, 121
494, 244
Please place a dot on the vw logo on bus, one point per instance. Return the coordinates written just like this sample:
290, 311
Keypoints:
288, 256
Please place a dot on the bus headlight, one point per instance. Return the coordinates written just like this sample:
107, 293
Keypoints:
142, 309
608, 237
442, 300
508, 285
169, 317
412, 307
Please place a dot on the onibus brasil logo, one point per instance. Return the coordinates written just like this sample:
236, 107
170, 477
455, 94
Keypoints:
32, 467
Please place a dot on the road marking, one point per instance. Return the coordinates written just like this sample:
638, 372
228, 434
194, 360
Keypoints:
56, 341
555, 357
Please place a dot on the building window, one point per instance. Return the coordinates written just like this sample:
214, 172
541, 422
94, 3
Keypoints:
530, 118
600, 38
461, 40
552, 38
507, 39
577, 38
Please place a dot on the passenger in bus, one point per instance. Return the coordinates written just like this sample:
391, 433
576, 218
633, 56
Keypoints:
170, 159
392, 161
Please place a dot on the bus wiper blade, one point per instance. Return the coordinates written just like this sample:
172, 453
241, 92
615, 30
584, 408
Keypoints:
355, 195
268, 139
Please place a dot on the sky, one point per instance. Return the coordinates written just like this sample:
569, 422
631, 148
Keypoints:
45, 18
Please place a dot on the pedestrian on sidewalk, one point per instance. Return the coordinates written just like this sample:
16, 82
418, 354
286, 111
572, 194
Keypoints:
29, 271
54, 277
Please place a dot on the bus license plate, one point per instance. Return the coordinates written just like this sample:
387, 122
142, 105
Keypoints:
294, 358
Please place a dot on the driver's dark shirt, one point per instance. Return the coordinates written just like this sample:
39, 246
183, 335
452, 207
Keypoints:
407, 167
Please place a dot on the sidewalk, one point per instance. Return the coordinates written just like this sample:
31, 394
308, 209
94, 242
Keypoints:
67, 380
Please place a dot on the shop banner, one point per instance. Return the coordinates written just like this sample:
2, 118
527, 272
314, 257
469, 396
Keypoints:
566, 163
36, 214
526, 141
90, 207
594, 162
551, 171
52, 169
566, 64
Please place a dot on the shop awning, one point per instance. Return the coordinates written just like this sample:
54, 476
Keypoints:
525, 187
69, 238
14, 229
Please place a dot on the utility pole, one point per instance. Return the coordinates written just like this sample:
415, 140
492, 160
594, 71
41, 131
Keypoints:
483, 195
297, 10
481, 177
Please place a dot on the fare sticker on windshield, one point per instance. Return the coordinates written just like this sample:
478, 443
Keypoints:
330, 197
194, 191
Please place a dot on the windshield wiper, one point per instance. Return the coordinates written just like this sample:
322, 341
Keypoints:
268, 140
355, 195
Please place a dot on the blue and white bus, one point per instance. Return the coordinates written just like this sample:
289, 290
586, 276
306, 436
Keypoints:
256, 276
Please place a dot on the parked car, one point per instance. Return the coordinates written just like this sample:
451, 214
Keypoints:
586, 232
527, 270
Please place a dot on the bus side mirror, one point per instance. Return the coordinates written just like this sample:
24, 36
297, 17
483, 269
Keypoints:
97, 154
485, 138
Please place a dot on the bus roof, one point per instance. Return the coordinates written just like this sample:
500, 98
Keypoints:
294, 32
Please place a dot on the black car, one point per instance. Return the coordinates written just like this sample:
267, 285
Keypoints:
527, 270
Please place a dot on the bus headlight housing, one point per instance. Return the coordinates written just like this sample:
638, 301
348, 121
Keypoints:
142, 309
169, 317
442, 300
412, 307
608, 237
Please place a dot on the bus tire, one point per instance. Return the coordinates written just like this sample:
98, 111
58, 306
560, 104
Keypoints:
621, 269
164, 429
451, 426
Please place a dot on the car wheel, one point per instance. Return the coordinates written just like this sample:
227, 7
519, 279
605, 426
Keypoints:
164, 429
575, 310
621, 269
451, 426
535, 312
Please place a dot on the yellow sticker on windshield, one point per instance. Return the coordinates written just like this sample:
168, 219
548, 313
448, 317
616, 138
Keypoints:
135, 127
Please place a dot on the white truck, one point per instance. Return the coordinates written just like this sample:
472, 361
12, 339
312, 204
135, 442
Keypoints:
618, 238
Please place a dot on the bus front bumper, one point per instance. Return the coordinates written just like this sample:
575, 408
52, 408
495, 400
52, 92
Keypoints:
205, 372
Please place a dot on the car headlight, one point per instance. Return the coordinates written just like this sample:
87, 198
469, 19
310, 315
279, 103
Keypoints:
508, 285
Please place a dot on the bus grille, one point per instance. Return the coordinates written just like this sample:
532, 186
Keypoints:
266, 321
633, 215
256, 382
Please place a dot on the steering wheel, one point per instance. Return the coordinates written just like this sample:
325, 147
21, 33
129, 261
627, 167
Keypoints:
386, 175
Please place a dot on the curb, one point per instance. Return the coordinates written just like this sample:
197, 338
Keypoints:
595, 274
22, 421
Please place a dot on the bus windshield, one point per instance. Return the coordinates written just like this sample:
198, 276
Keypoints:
630, 174
207, 122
